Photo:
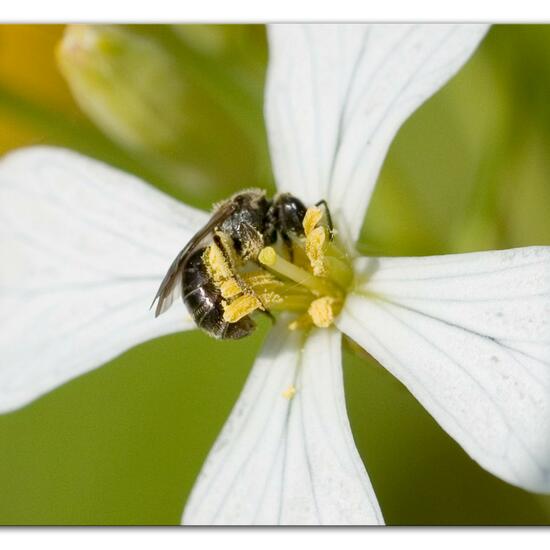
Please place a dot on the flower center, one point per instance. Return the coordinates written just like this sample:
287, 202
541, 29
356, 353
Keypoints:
307, 274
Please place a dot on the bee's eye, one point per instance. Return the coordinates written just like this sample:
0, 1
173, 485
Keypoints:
291, 213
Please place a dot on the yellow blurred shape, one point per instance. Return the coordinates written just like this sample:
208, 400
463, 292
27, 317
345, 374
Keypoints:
28, 65
28, 68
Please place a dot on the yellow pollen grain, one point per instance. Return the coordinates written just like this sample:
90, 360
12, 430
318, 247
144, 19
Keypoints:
321, 311
240, 307
270, 298
290, 392
311, 219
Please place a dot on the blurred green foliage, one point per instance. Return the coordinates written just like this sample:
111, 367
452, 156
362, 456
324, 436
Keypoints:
469, 171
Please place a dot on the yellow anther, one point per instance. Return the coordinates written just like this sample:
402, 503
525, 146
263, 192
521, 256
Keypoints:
290, 392
268, 256
323, 311
311, 219
230, 288
315, 250
240, 307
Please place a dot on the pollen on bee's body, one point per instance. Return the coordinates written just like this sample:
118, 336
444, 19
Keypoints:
256, 253
217, 264
308, 276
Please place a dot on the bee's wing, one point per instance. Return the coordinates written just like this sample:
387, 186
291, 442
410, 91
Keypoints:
170, 288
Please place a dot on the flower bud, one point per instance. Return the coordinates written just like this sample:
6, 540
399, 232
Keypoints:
126, 84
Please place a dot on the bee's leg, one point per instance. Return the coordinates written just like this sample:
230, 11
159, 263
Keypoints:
287, 241
329, 217
270, 230
228, 255
245, 287
230, 258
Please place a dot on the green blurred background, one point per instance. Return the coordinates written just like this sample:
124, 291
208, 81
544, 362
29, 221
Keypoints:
469, 171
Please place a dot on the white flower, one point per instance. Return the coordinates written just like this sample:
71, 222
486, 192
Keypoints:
468, 334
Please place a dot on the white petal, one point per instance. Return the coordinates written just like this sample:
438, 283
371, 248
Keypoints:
84, 249
469, 335
281, 461
337, 94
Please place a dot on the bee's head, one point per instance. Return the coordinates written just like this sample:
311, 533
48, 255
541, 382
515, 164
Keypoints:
290, 212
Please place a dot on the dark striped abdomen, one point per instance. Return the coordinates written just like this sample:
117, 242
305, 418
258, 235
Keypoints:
204, 302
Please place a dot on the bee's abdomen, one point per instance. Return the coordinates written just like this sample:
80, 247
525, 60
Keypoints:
204, 302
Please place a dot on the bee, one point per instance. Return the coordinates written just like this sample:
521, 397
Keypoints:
250, 222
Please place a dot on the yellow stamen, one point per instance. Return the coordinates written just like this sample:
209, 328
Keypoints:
270, 299
323, 310
230, 288
318, 286
311, 219
290, 392
240, 307
299, 254
325, 258
285, 302
261, 280
315, 250
268, 256
339, 271
302, 322
313, 284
